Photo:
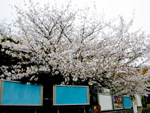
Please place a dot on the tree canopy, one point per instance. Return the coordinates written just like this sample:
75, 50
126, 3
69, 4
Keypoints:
79, 45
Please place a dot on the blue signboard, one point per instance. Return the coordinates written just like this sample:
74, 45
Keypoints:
127, 102
15, 93
71, 95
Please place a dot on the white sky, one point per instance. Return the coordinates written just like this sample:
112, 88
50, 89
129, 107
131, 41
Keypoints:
111, 9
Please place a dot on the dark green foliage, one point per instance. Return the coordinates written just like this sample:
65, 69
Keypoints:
6, 59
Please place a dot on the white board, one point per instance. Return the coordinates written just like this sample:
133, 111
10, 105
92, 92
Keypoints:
105, 101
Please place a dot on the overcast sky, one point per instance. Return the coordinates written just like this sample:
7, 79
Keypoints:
111, 9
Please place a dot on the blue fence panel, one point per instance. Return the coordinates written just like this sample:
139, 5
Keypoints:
127, 102
71, 95
20, 94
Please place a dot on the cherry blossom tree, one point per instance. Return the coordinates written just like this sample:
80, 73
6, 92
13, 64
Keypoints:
80, 45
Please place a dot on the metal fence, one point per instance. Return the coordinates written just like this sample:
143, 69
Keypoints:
119, 111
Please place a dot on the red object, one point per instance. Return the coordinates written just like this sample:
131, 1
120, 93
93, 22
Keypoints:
97, 109
117, 100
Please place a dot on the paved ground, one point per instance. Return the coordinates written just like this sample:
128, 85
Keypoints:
146, 110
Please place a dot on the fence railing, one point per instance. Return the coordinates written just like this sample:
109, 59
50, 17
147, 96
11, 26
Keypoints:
119, 111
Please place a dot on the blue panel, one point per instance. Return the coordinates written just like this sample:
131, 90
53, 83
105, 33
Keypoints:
20, 94
71, 95
127, 102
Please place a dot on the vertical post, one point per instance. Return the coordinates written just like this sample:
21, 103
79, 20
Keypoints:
134, 107
84, 110
57, 110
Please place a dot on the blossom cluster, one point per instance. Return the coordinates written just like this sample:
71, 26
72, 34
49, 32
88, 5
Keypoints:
58, 41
